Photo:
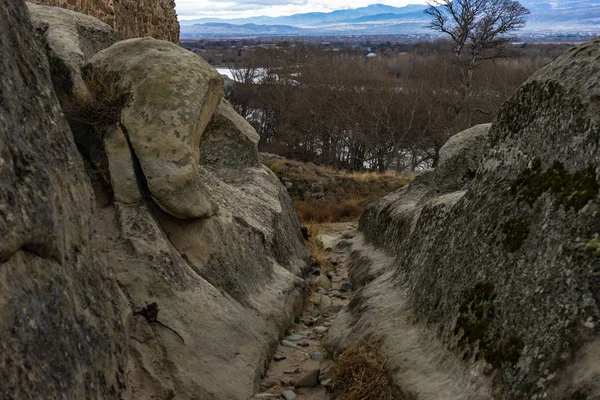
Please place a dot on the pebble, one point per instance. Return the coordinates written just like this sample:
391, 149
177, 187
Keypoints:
321, 290
268, 384
287, 343
321, 281
321, 329
328, 324
311, 379
315, 313
346, 286
325, 303
278, 357
326, 382
295, 338
264, 396
288, 395
308, 322
291, 371
316, 355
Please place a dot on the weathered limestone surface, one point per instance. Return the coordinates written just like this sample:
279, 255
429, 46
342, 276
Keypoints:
500, 260
70, 40
172, 96
63, 318
132, 18
108, 289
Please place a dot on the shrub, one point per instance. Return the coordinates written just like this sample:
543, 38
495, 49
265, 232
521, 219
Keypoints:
316, 245
360, 373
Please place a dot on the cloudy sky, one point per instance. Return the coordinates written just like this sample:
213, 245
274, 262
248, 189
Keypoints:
188, 9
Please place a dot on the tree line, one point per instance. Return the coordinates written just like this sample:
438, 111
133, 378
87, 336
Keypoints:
381, 113
396, 110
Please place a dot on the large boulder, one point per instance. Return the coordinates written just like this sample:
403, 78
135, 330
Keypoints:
198, 229
116, 289
70, 40
502, 267
172, 95
229, 139
62, 333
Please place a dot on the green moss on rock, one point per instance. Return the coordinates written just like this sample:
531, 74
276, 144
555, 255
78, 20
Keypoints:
516, 231
594, 245
505, 351
476, 313
474, 323
573, 190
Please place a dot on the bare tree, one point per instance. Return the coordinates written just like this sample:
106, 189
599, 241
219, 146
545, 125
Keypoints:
479, 29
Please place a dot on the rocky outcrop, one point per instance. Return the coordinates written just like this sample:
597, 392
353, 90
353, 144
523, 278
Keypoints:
70, 40
63, 330
172, 95
131, 18
216, 243
115, 283
499, 260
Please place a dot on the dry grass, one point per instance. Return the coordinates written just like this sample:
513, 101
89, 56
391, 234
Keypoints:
344, 194
279, 165
102, 108
360, 373
314, 242
326, 212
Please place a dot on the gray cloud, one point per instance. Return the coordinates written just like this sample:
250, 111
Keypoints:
239, 9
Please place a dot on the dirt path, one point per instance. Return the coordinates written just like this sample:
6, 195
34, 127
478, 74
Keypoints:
301, 367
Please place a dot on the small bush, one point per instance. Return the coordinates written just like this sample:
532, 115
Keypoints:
101, 109
316, 245
360, 373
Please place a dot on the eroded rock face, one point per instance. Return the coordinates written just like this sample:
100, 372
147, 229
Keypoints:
107, 290
198, 227
70, 40
229, 140
132, 18
62, 332
172, 96
497, 264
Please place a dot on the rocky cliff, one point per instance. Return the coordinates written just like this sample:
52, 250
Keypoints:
64, 318
131, 18
493, 255
147, 253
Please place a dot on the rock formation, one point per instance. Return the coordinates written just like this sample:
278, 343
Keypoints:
132, 18
494, 250
63, 330
71, 39
162, 260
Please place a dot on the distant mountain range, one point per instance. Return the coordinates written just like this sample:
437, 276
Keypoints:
568, 16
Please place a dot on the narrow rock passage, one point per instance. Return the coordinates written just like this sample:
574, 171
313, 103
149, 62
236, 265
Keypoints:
301, 368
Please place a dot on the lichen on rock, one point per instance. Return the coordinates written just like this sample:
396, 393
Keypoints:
517, 221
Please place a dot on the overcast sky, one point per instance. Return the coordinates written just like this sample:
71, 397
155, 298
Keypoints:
188, 9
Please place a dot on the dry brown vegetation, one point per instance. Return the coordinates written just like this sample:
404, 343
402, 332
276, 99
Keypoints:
394, 111
360, 373
316, 245
325, 194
